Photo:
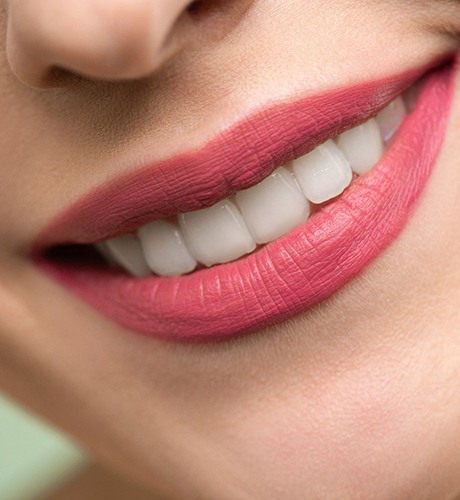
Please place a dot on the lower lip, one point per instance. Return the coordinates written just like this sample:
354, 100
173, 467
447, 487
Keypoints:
289, 275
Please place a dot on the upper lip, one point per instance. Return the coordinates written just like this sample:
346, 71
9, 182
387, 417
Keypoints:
228, 163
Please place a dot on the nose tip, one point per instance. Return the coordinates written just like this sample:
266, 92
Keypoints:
96, 39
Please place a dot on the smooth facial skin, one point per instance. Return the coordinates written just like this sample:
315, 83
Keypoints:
357, 398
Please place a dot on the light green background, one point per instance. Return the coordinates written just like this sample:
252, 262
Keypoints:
34, 458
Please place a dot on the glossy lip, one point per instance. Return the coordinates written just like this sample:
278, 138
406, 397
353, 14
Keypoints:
288, 275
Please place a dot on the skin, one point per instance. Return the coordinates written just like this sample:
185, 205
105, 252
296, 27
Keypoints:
357, 398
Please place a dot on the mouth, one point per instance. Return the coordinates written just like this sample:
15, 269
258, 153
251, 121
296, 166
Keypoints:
267, 220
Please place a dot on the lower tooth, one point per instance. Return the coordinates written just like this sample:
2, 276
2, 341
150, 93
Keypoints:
216, 234
362, 145
273, 207
127, 252
165, 250
324, 173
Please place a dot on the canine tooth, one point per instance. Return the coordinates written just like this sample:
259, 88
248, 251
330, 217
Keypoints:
323, 173
411, 95
362, 145
390, 118
105, 252
127, 252
273, 207
216, 234
165, 250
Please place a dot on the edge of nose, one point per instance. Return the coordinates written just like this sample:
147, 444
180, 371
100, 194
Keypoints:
94, 39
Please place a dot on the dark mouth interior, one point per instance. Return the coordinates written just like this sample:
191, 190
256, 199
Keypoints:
76, 255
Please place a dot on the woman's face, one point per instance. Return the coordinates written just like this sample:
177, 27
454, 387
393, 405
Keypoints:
354, 396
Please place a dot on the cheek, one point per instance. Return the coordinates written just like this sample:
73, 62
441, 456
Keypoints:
345, 435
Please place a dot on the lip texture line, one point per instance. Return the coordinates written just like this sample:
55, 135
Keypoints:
288, 275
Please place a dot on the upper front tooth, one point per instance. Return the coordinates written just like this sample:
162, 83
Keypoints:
324, 173
127, 252
273, 207
390, 118
216, 234
165, 250
362, 145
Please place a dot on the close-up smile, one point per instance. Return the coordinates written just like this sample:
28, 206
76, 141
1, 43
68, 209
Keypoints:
230, 260
268, 219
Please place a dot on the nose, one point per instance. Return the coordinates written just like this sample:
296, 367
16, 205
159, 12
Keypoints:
96, 39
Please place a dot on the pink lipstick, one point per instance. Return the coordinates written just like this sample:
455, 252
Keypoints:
286, 276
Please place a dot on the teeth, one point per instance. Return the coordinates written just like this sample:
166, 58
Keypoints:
362, 145
165, 250
105, 252
126, 250
216, 234
228, 230
390, 118
324, 173
273, 207
411, 95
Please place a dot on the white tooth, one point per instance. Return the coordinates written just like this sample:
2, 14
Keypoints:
362, 145
127, 252
390, 118
105, 252
165, 250
216, 234
324, 173
273, 207
411, 95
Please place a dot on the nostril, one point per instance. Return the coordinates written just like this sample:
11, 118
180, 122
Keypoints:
220, 15
197, 7
194, 6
